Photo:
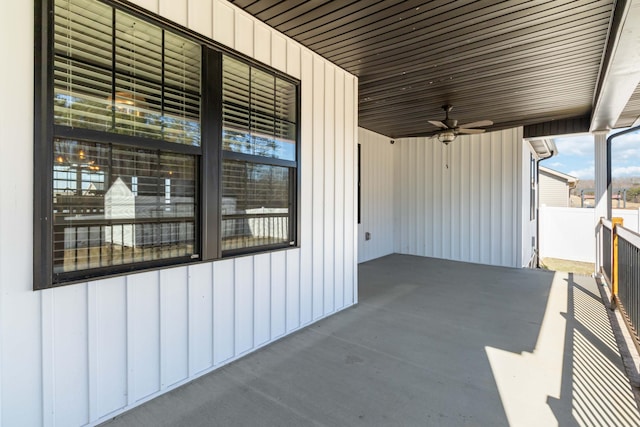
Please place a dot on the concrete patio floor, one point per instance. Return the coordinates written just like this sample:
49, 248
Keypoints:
431, 343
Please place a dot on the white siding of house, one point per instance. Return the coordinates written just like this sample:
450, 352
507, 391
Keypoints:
469, 211
81, 353
554, 191
377, 189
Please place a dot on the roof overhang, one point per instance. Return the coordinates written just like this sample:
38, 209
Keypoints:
620, 72
571, 180
544, 147
553, 67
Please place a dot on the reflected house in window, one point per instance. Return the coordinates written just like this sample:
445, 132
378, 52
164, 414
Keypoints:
120, 203
129, 104
152, 217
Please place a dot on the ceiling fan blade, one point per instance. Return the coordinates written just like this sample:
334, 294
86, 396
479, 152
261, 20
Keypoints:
438, 124
480, 123
470, 131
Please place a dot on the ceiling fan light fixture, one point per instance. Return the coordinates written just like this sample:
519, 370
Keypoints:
446, 137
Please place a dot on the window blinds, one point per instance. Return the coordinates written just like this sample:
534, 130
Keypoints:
117, 73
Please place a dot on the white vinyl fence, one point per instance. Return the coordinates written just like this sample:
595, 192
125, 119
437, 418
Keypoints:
570, 233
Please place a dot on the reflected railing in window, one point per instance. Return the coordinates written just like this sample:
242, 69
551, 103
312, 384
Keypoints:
94, 243
255, 205
117, 205
258, 227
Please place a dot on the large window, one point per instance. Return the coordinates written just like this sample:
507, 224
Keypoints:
259, 157
152, 147
115, 205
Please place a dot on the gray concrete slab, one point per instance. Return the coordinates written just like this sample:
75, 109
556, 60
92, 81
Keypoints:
431, 343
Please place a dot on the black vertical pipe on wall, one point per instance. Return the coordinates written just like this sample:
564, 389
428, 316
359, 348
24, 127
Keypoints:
609, 179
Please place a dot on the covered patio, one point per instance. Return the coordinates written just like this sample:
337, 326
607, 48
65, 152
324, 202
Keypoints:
431, 342
372, 166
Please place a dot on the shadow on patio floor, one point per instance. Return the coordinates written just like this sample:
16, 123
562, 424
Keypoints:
432, 342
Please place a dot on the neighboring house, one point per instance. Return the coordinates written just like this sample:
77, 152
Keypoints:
555, 188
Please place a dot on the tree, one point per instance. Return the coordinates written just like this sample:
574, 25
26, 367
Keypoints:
633, 194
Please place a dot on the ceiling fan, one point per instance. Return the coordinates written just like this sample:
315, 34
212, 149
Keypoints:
450, 128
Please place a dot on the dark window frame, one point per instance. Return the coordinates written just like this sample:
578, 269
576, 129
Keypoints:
359, 183
268, 158
533, 185
209, 155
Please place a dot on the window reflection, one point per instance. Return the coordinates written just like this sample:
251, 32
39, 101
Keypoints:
255, 205
116, 205
259, 112
156, 74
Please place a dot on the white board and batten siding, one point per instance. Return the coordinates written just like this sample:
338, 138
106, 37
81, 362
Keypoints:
376, 198
82, 353
462, 201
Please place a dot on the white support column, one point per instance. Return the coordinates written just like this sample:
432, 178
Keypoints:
602, 196
600, 155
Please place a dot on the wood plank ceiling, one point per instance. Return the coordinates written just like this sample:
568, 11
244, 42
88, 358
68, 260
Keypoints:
515, 62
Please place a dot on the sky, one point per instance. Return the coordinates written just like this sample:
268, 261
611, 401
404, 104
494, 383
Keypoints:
576, 157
